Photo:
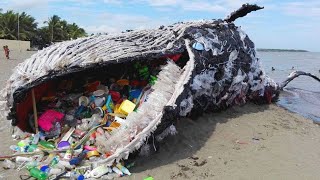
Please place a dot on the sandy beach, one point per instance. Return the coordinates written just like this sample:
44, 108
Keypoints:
248, 142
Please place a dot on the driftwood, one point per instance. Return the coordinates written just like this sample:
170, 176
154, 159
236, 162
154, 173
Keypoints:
294, 75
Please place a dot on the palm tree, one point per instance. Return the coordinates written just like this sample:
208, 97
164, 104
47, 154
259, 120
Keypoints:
23, 27
1, 29
74, 31
9, 26
27, 26
55, 27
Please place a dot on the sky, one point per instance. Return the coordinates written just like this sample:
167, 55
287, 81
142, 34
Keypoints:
285, 24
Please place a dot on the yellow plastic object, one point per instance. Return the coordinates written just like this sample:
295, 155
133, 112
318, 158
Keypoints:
92, 153
116, 109
126, 107
104, 108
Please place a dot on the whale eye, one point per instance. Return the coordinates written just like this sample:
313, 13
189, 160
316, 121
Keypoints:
198, 46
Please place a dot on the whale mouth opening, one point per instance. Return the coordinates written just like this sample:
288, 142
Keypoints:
159, 82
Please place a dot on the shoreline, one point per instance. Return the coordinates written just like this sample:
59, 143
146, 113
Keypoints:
247, 142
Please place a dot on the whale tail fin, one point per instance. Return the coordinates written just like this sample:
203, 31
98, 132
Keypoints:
242, 11
294, 75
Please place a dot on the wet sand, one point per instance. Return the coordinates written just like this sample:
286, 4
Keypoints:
248, 142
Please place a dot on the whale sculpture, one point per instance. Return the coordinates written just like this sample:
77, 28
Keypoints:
217, 67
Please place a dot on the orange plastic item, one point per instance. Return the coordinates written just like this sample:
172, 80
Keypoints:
123, 82
115, 124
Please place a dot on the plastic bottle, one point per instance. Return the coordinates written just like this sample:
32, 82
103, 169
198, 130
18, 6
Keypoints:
23, 143
49, 158
15, 148
32, 164
46, 144
95, 120
23, 159
36, 138
45, 169
99, 171
32, 148
54, 161
36, 173
79, 110
116, 170
123, 169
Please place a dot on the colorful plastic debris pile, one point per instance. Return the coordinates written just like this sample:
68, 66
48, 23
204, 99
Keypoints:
74, 127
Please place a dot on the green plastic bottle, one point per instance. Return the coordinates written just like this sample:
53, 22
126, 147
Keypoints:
46, 145
36, 173
54, 161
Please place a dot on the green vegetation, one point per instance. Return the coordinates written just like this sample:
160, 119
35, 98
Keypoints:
281, 50
55, 30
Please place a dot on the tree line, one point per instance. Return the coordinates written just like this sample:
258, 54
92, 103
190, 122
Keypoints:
21, 26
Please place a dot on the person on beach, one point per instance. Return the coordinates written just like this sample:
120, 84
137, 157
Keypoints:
6, 51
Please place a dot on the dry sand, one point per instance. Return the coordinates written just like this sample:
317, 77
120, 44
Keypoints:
248, 142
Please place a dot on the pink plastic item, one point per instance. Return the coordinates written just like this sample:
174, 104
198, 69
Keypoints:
47, 119
90, 148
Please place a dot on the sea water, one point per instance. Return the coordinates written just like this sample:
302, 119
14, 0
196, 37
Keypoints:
302, 95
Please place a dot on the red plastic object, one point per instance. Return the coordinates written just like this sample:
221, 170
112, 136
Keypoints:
174, 57
134, 83
47, 119
143, 83
92, 86
120, 101
115, 95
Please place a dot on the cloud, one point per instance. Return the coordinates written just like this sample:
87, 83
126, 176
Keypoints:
303, 9
122, 22
205, 6
23, 5
191, 5
187, 5
101, 29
